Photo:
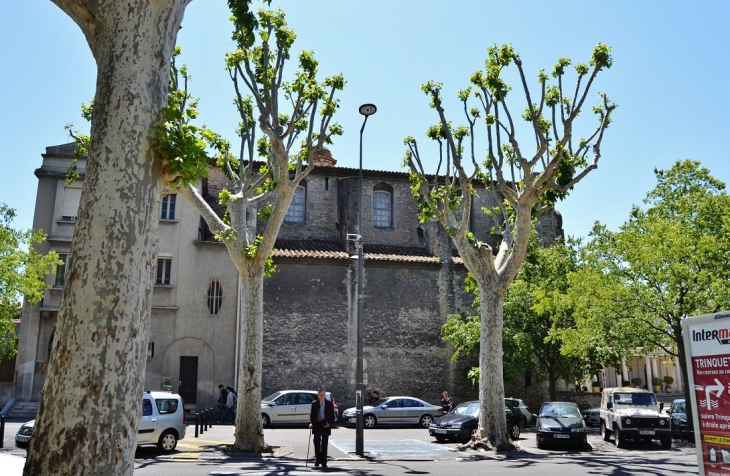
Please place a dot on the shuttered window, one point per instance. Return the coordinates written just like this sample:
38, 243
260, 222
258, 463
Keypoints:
71, 199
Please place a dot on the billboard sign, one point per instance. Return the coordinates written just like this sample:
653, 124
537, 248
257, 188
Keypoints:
707, 345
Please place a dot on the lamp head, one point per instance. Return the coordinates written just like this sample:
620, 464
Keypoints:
368, 109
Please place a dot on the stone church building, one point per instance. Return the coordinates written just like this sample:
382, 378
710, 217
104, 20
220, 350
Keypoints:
413, 281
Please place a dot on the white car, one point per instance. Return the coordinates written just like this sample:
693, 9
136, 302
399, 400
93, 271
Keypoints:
291, 407
163, 422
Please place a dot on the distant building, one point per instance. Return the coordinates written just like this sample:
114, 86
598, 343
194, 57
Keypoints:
413, 281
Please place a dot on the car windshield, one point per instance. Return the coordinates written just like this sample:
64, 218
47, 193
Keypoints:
466, 409
560, 411
634, 398
271, 397
679, 407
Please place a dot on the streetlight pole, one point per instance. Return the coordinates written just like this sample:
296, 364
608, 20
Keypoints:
366, 110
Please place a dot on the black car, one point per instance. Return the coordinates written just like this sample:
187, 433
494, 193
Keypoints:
678, 414
22, 437
560, 423
462, 422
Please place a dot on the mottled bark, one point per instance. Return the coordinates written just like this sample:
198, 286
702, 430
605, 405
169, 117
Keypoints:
90, 407
249, 430
492, 422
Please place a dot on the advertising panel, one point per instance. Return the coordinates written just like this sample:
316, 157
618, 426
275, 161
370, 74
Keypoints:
707, 342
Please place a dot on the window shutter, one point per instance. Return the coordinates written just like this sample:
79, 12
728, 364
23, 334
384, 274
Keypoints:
71, 199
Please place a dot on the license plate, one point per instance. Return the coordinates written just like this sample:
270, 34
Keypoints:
22, 438
647, 432
559, 435
440, 432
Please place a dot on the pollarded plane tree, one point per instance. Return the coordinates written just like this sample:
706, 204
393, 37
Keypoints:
264, 177
90, 407
527, 179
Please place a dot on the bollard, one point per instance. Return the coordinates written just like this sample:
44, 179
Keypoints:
2, 430
210, 413
197, 423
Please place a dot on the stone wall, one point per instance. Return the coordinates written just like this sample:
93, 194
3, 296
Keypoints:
310, 332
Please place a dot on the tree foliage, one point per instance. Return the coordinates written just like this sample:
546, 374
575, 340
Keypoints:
668, 261
526, 174
22, 274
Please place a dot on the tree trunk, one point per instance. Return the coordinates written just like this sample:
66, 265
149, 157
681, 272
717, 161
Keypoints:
492, 422
90, 407
681, 354
249, 430
552, 379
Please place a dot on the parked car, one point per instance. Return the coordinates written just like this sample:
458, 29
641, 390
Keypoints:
462, 422
633, 414
163, 422
560, 423
520, 405
395, 410
291, 407
592, 416
678, 414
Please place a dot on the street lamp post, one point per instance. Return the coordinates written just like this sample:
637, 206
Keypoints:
366, 110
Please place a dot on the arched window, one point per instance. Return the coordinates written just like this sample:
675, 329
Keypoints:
383, 206
215, 296
295, 214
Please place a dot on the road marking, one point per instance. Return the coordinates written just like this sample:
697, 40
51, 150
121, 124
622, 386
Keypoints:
408, 449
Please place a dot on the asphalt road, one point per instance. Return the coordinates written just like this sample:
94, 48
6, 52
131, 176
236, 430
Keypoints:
404, 451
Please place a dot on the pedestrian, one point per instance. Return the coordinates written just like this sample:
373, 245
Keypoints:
373, 398
321, 418
231, 402
222, 397
447, 404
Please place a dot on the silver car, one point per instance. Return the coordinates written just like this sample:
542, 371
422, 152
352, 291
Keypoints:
290, 407
163, 422
517, 403
396, 410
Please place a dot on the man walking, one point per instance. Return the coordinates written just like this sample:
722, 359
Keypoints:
231, 402
222, 398
321, 418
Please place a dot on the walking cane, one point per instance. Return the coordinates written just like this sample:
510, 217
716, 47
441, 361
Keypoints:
309, 442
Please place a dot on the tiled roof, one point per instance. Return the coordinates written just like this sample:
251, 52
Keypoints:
333, 250
309, 249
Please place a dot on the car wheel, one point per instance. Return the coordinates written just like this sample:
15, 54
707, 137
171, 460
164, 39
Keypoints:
620, 440
370, 421
168, 441
265, 420
584, 446
666, 442
514, 431
426, 421
540, 446
605, 432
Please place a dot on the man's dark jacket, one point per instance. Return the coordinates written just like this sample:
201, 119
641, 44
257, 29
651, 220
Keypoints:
329, 416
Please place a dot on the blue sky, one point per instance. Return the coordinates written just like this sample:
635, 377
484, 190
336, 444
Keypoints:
669, 79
